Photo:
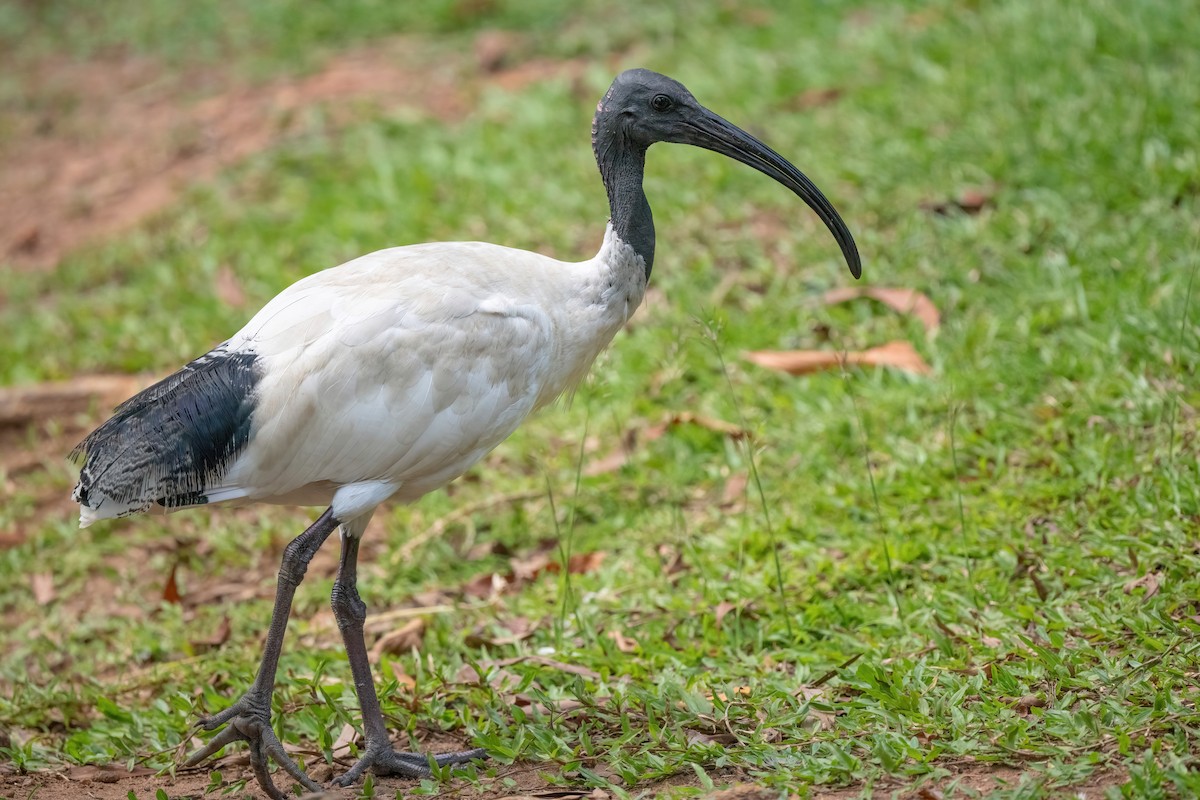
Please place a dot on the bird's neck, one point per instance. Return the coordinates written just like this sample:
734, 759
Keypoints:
621, 167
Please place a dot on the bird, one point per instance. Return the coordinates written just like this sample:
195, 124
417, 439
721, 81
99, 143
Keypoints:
384, 379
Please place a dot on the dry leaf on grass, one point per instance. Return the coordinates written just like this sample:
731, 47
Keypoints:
609, 463
1026, 702
401, 640
528, 568
719, 613
220, 636
711, 423
696, 737
402, 677
170, 592
734, 493
898, 354
672, 560
42, 585
743, 609
824, 720
227, 592
738, 691
485, 585
1151, 582
582, 563
969, 201
578, 564
815, 97
341, 745
423, 605
550, 663
906, 301
502, 680
624, 643
516, 629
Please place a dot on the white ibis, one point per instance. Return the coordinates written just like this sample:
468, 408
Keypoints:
389, 376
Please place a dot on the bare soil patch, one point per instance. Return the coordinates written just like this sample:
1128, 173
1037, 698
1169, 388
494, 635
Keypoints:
100, 145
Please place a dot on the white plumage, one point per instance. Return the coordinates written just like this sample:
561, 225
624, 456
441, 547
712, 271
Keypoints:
409, 364
392, 374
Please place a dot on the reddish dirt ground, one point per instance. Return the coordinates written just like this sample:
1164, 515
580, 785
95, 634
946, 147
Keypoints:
106, 144
99, 146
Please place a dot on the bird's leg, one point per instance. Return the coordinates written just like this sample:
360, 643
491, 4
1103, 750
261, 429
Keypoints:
249, 719
378, 755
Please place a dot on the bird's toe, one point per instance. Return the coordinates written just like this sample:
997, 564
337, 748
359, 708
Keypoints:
227, 736
387, 761
255, 729
252, 707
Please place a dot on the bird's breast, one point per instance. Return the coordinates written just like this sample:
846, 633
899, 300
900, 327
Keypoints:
600, 299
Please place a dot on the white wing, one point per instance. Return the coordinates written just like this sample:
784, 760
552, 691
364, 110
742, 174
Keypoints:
402, 367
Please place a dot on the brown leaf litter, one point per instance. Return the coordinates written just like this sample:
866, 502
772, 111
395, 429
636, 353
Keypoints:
170, 592
527, 568
969, 201
815, 97
897, 354
403, 640
905, 301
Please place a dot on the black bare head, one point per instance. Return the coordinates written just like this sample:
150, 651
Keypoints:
643, 107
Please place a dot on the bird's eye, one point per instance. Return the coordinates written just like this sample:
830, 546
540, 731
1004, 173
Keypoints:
661, 102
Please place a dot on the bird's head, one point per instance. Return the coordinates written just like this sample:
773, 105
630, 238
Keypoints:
643, 107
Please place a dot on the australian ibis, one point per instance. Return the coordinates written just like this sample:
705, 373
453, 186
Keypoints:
389, 376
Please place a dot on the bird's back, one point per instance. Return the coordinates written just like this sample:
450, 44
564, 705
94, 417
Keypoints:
397, 370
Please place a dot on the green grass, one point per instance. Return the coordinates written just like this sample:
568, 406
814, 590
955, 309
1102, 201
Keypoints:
271, 36
947, 546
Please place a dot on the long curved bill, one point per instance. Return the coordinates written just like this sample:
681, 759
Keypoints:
712, 132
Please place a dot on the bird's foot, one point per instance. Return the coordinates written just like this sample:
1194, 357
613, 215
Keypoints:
386, 761
249, 720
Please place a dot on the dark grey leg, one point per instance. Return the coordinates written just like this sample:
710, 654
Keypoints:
249, 719
378, 756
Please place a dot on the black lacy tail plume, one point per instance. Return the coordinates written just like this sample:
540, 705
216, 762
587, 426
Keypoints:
169, 442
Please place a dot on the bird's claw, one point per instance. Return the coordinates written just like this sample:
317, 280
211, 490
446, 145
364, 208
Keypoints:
386, 761
245, 722
219, 719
